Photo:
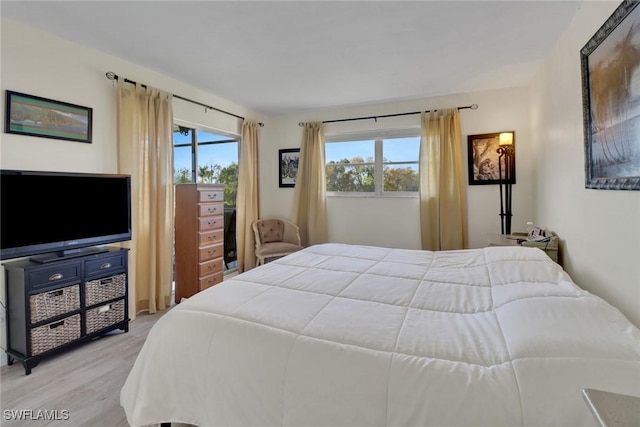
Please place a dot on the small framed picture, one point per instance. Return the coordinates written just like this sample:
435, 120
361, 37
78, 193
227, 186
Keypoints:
484, 157
288, 164
35, 116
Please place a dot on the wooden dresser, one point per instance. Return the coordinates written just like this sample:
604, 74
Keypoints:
199, 238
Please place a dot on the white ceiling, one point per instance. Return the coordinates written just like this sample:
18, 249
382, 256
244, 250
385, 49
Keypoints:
280, 57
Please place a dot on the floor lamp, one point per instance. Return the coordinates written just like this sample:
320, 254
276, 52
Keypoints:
506, 151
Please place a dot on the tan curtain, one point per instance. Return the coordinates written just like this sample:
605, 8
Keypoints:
309, 199
145, 151
443, 199
247, 199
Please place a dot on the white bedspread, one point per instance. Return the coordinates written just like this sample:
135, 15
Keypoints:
340, 335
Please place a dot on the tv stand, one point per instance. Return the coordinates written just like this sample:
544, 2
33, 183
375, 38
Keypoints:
57, 305
70, 253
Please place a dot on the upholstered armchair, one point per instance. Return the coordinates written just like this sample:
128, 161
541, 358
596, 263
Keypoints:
275, 238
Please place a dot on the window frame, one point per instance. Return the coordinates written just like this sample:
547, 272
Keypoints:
378, 137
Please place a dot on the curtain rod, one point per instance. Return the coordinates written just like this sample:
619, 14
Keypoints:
472, 107
113, 76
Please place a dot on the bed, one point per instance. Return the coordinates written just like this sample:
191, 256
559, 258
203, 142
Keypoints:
346, 335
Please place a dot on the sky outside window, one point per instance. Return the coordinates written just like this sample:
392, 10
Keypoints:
401, 149
216, 154
339, 151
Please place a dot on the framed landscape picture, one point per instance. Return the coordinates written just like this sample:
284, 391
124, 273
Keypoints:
35, 116
288, 165
610, 64
483, 157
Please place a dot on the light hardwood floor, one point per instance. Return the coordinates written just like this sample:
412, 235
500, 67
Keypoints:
85, 381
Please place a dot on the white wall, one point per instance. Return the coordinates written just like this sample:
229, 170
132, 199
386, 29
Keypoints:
394, 222
600, 229
40, 64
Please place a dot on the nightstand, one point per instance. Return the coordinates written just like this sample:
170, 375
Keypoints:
612, 409
549, 247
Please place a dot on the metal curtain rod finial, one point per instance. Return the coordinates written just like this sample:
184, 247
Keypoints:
113, 76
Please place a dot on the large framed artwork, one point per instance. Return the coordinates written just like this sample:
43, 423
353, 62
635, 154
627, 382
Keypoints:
36, 116
483, 158
288, 165
610, 63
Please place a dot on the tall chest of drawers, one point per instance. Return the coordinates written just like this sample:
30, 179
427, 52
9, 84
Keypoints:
199, 238
53, 307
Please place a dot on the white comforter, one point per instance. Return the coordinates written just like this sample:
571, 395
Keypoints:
339, 335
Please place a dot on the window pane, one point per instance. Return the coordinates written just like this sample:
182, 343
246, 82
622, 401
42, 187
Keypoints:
350, 152
385, 164
401, 177
182, 164
182, 161
350, 177
401, 149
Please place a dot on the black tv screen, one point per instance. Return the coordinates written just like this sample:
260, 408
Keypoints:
43, 212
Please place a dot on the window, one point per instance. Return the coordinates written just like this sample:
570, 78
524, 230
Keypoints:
350, 166
373, 164
207, 157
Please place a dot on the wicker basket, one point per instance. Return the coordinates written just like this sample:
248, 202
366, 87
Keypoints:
45, 305
105, 316
55, 334
106, 289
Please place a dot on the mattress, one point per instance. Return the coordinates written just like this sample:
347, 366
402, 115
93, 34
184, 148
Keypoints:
346, 335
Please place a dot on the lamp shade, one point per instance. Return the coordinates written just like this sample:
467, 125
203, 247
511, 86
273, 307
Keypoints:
506, 138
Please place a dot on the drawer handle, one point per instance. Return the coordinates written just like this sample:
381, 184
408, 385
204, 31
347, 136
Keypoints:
105, 265
56, 325
56, 276
212, 209
54, 294
105, 308
107, 281
210, 267
212, 195
209, 237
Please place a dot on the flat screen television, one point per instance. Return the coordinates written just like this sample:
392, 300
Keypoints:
61, 214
